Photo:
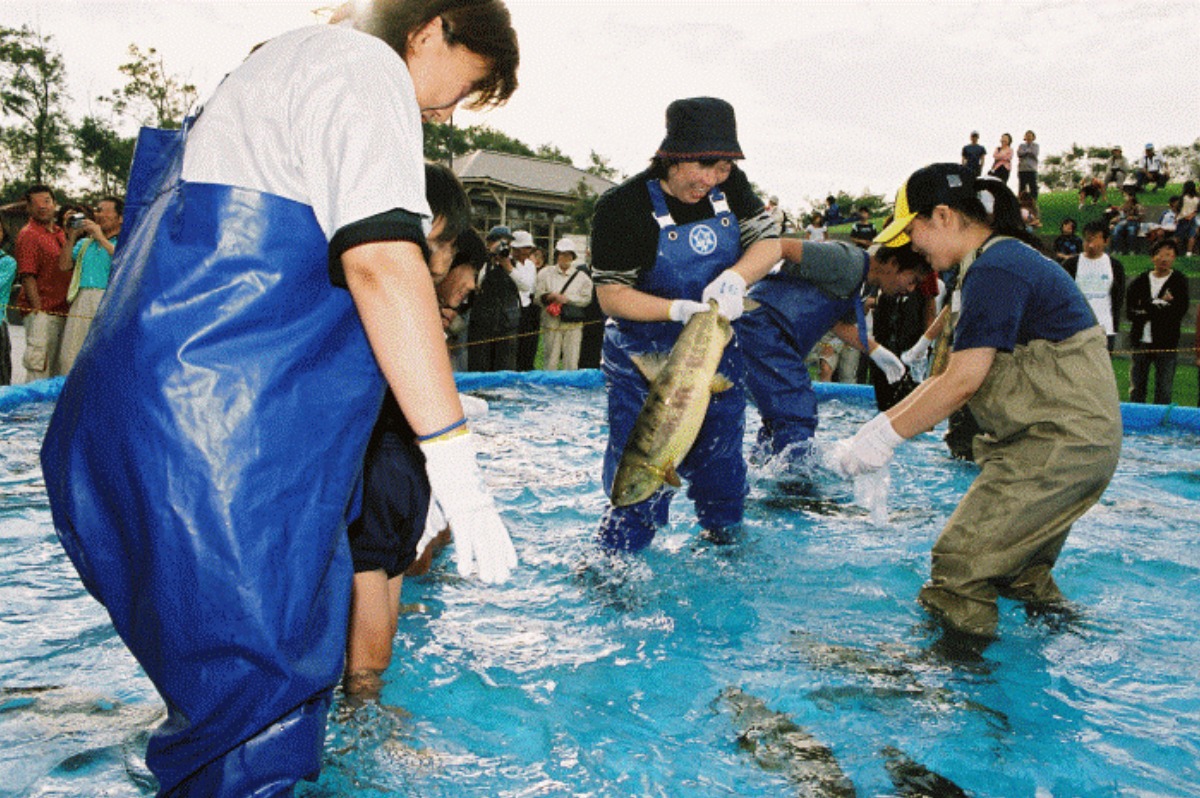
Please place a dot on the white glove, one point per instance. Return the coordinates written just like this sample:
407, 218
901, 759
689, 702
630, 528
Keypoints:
473, 406
683, 309
481, 541
869, 450
917, 352
435, 522
893, 368
729, 289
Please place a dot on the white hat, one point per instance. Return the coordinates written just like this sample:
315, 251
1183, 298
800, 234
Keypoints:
521, 239
565, 245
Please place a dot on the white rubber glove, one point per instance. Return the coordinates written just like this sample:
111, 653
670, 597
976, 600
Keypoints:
893, 368
481, 542
917, 352
473, 406
435, 522
729, 289
869, 450
683, 309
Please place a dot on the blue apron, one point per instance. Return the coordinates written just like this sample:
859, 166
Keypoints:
776, 338
689, 258
200, 465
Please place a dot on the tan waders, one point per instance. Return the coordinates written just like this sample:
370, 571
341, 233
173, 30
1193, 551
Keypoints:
1052, 425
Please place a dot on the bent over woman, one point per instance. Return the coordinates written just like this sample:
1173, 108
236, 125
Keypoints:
1032, 363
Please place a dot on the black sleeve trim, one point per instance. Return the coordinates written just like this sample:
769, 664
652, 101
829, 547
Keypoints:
394, 225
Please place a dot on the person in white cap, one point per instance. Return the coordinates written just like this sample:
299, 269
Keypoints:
1033, 363
1151, 169
524, 276
563, 291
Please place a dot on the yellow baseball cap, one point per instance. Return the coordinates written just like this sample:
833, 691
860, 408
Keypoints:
928, 187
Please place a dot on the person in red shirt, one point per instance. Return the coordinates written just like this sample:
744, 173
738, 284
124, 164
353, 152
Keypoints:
43, 284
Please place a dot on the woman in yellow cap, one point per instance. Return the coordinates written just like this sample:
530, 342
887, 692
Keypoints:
1033, 363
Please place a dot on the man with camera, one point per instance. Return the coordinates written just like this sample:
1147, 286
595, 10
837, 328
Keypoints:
87, 256
43, 284
496, 309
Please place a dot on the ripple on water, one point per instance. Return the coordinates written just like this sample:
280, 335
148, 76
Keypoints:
595, 675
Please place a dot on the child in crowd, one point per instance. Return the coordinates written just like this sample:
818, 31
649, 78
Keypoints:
816, 231
1067, 243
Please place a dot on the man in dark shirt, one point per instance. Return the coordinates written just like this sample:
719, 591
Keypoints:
973, 154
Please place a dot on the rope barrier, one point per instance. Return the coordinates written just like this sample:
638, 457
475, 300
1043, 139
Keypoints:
562, 326
581, 324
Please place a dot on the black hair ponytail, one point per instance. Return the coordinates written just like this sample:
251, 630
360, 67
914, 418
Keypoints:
1004, 215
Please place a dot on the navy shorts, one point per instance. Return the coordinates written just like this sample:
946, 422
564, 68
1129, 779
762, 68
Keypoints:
394, 503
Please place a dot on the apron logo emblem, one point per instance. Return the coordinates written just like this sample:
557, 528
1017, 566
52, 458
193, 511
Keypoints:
702, 239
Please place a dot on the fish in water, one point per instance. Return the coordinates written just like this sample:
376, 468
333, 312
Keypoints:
681, 385
778, 744
914, 780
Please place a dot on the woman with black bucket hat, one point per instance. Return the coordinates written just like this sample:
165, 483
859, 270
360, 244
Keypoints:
1033, 363
688, 229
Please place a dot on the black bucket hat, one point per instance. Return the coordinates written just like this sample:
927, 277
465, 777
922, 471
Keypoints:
700, 129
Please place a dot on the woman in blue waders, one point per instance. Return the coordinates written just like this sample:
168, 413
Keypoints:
817, 288
687, 229
202, 460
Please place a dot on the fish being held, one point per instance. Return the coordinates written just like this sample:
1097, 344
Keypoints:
681, 385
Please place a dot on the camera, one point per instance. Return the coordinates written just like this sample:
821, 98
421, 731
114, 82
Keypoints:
503, 251
76, 220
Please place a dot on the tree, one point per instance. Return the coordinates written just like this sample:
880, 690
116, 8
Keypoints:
444, 141
151, 96
599, 166
33, 93
549, 152
584, 207
104, 155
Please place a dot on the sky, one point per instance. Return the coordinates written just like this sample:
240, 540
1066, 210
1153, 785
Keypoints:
829, 96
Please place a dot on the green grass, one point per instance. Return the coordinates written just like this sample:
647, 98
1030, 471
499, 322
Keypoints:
1183, 391
1054, 206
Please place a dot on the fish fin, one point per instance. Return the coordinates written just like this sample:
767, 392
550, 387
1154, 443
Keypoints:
650, 364
720, 383
749, 304
671, 478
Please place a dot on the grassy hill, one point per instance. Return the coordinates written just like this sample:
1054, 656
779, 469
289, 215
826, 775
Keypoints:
1055, 206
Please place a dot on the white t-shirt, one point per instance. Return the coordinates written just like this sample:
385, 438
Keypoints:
1156, 285
324, 115
1095, 280
816, 233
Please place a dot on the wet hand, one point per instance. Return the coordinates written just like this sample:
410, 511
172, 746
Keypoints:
917, 352
481, 541
891, 366
870, 449
683, 309
729, 290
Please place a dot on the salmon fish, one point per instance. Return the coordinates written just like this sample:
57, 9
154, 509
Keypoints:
681, 385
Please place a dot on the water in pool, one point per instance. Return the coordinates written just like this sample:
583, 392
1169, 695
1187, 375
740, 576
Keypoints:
793, 662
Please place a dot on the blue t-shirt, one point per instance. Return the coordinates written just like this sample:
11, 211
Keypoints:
1012, 295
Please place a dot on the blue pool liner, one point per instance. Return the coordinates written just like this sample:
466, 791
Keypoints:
1135, 417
